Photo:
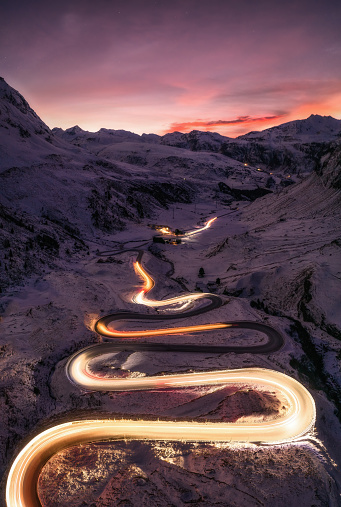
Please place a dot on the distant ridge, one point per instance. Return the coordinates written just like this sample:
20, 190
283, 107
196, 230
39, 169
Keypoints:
316, 127
293, 147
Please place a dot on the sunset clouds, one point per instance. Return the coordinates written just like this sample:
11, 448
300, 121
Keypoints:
156, 66
215, 126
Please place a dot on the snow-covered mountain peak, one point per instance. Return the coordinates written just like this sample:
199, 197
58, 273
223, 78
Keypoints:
94, 141
74, 130
14, 98
24, 138
195, 140
316, 128
15, 109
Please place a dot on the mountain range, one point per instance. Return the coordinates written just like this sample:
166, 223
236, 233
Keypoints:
274, 254
83, 182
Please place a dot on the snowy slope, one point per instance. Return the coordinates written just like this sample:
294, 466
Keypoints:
291, 148
294, 147
195, 140
316, 129
64, 200
95, 141
24, 137
293, 235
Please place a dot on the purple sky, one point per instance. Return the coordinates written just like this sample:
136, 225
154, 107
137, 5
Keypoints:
228, 66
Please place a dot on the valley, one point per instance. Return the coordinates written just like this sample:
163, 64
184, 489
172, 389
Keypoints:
272, 255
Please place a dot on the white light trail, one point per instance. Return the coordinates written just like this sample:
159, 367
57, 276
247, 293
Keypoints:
299, 419
206, 226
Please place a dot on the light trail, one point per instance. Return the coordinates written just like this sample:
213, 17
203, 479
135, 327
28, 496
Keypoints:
298, 420
149, 284
206, 226
102, 329
167, 230
22, 480
148, 280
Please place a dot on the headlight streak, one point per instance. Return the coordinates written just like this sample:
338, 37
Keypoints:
206, 226
294, 424
149, 284
167, 231
297, 421
105, 331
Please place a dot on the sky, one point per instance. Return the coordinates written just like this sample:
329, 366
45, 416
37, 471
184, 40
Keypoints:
158, 66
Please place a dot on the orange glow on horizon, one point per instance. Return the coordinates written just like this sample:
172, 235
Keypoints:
226, 126
246, 124
329, 107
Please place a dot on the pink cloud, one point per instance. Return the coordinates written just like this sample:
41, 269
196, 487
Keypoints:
209, 125
150, 66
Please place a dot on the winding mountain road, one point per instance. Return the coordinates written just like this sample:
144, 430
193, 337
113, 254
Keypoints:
299, 419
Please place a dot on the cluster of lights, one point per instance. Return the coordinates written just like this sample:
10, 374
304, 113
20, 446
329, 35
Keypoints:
165, 230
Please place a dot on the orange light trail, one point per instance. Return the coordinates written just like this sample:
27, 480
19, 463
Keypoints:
149, 284
148, 281
299, 419
105, 331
